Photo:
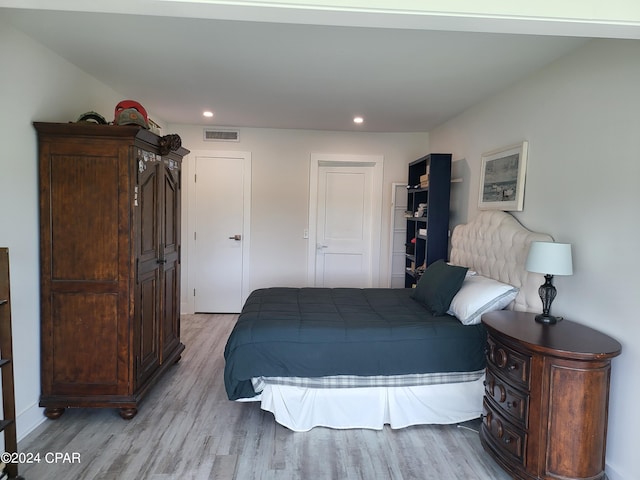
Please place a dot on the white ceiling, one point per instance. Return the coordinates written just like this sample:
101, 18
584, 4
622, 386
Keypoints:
290, 75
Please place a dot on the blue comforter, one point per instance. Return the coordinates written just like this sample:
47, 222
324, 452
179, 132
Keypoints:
315, 332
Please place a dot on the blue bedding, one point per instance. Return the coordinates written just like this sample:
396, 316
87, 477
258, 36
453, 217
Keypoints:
316, 332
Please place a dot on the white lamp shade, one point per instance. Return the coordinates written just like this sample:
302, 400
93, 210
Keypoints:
550, 258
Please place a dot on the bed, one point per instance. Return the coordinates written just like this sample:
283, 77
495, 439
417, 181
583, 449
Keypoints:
363, 358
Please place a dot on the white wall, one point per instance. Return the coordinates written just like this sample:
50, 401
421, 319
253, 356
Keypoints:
280, 191
35, 85
581, 118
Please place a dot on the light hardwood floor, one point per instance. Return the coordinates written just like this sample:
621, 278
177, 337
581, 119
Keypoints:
187, 429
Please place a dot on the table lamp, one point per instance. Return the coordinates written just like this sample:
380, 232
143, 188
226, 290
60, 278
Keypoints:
549, 258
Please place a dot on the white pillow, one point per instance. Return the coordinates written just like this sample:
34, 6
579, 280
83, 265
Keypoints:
480, 295
469, 272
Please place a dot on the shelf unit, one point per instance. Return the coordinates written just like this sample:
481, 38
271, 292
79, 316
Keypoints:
8, 422
398, 234
427, 236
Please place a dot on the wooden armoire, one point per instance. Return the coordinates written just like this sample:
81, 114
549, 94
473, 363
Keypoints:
110, 264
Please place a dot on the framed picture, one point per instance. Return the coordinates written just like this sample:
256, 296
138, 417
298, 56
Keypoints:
502, 178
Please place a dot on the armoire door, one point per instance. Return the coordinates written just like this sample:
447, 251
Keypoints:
147, 205
170, 258
81, 216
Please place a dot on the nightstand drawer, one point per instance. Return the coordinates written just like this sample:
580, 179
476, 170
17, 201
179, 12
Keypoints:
511, 364
504, 436
510, 401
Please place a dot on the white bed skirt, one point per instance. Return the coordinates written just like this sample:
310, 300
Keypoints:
301, 409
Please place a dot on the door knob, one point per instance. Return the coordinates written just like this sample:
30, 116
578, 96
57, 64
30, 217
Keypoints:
320, 246
236, 237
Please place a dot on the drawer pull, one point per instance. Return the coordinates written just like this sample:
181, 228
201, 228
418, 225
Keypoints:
513, 404
501, 358
503, 393
490, 385
487, 419
508, 440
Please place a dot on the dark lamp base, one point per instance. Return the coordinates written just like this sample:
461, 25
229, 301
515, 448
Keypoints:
547, 319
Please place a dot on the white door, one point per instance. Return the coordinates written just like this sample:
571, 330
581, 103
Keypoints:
220, 232
347, 224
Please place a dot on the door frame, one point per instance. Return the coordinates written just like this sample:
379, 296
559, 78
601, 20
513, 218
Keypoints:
188, 260
346, 160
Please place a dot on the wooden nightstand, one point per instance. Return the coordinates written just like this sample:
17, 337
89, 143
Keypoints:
546, 397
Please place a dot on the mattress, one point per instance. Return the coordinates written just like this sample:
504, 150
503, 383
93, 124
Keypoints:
319, 332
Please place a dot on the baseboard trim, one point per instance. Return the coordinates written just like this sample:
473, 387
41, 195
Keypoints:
185, 308
28, 420
612, 474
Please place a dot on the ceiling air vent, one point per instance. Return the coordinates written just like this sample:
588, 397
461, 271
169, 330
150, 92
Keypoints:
221, 135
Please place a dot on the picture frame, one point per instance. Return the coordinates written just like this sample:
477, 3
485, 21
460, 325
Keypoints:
502, 178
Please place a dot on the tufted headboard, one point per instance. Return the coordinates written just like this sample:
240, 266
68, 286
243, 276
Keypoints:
496, 245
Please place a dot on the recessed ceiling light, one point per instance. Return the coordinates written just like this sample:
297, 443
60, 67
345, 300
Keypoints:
358, 120
207, 114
